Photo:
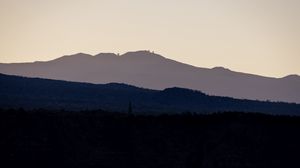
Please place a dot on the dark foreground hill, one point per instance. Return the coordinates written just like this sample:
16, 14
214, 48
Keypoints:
117, 140
33, 93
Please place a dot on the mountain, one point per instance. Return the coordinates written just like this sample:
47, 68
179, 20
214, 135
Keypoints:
32, 93
149, 70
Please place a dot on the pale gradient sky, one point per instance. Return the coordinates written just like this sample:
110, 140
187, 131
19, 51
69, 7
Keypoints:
254, 36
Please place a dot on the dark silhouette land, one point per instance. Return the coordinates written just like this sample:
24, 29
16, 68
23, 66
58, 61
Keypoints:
33, 93
43, 138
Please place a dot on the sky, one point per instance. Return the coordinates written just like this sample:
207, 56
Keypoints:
254, 36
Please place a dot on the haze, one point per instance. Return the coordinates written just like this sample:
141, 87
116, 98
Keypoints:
257, 36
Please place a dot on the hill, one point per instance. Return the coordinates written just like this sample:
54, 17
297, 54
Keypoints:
32, 93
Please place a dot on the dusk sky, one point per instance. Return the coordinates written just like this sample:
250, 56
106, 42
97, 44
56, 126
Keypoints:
253, 36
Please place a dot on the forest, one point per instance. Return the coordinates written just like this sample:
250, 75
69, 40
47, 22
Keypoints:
61, 138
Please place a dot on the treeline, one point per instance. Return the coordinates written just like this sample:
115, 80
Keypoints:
44, 138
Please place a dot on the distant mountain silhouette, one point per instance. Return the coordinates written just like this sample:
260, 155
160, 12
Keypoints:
32, 93
150, 70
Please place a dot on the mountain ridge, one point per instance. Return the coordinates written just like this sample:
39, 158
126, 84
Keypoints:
110, 55
150, 70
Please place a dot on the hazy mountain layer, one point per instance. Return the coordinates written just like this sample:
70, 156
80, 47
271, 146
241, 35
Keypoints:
149, 70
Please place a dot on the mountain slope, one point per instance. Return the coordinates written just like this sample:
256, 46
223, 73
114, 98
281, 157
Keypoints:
28, 93
149, 70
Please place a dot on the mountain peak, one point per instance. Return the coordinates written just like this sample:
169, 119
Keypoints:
106, 55
141, 54
179, 90
292, 77
78, 55
73, 56
220, 68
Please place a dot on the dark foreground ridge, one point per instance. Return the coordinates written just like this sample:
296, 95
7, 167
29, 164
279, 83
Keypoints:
32, 93
43, 138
